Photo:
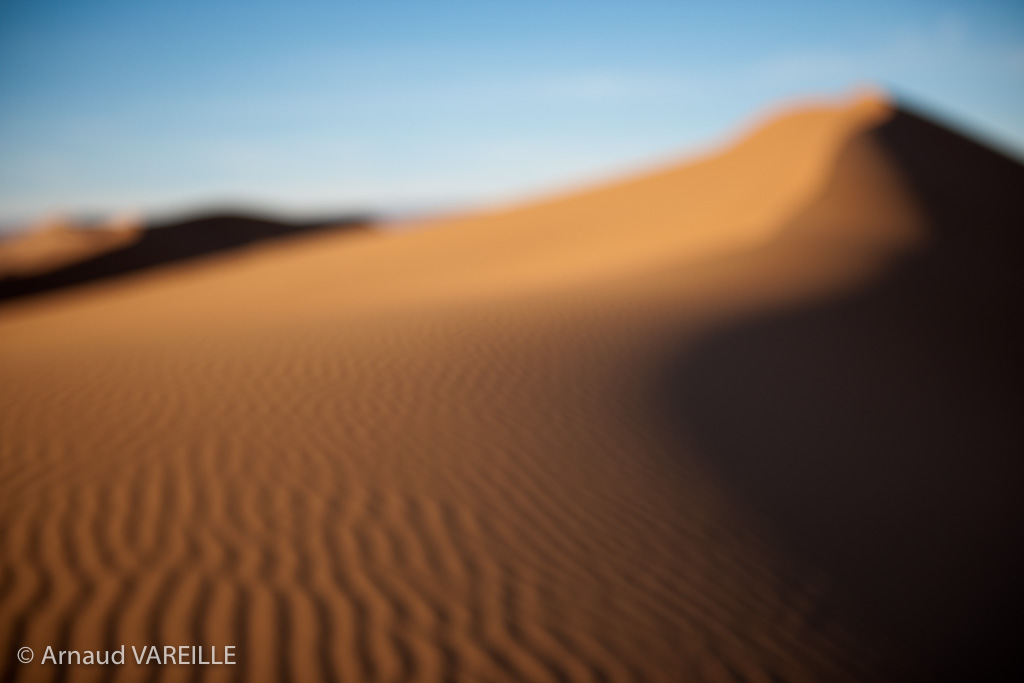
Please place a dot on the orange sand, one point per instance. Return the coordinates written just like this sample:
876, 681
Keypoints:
436, 455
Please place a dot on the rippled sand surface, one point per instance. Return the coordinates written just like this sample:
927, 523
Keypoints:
457, 453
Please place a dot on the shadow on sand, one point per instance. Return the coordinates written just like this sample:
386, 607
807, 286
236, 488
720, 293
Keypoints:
881, 433
171, 243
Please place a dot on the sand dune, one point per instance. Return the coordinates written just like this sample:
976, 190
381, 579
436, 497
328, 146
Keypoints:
58, 242
65, 256
698, 425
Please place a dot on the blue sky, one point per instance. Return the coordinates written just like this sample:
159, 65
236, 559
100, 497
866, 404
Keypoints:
303, 106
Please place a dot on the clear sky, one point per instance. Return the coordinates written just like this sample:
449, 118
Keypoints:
302, 105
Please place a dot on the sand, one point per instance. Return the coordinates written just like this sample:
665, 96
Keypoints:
65, 255
597, 437
57, 242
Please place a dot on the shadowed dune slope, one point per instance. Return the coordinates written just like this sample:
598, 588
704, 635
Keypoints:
880, 429
629, 434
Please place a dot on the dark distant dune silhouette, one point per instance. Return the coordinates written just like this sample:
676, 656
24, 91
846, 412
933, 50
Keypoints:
172, 242
881, 431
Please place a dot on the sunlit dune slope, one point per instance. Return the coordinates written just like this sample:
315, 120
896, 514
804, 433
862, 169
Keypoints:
480, 450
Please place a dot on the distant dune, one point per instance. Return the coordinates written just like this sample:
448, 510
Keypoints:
753, 417
66, 255
57, 242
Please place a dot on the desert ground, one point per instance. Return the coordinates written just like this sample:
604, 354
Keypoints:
748, 417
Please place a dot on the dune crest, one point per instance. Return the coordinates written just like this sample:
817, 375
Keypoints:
481, 451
